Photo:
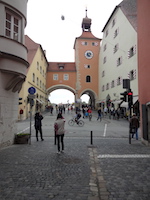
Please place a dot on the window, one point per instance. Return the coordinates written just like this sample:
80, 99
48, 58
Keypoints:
106, 33
116, 32
94, 43
40, 69
40, 84
113, 84
103, 73
37, 81
87, 66
33, 77
119, 81
55, 77
88, 79
113, 22
66, 77
132, 75
13, 26
105, 47
37, 66
61, 67
103, 88
84, 43
104, 60
116, 47
119, 61
132, 51
107, 86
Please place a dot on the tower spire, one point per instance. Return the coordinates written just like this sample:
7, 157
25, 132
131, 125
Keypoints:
86, 12
86, 22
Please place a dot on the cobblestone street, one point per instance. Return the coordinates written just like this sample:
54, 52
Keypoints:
110, 169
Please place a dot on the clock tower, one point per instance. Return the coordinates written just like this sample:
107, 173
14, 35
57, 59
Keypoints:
87, 49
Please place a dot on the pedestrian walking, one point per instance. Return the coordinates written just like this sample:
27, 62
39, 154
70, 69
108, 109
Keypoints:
51, 110
134, 123
60, 131
38, 125
99, 114
90, 113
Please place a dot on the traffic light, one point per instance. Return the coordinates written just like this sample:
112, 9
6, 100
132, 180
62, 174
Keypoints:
20, 100
124, 94
130, 98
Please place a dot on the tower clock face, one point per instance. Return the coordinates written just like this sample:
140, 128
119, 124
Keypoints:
88, 54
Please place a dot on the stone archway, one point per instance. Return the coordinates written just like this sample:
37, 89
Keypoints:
93, 97
55, 87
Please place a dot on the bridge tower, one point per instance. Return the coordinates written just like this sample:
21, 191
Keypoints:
87, 48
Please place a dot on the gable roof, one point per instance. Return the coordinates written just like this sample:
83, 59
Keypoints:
129, 8
32, 49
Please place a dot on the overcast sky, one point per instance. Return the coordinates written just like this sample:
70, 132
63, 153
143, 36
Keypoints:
44, 24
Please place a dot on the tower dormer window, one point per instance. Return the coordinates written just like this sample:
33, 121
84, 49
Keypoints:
61, 66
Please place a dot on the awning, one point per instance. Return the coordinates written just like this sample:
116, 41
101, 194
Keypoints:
39, 101
148, 104
124, 104
42, 101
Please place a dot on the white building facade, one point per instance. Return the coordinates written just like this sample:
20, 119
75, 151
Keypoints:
118, 58
13, 64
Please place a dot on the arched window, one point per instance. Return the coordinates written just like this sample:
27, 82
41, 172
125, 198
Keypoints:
33, 77
88, 79
37, 66
37, 81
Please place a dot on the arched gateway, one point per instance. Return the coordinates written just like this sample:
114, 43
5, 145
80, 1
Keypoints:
81, 76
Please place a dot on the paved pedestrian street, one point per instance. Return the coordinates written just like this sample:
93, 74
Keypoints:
108, 169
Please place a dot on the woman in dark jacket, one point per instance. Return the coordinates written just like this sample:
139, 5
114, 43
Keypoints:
38, 125
134, 123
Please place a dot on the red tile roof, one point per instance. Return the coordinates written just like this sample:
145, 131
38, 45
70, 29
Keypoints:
87, 34
32, 48
56, 66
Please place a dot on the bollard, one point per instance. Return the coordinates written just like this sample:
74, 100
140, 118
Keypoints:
91, 137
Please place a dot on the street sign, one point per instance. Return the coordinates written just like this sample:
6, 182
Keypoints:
32, 90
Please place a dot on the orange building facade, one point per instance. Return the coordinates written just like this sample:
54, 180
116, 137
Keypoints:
61, 76
144, 66
81, 76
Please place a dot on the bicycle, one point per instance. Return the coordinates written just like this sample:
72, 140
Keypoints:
72, 121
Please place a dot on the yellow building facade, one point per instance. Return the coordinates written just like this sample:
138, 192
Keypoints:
36, 78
